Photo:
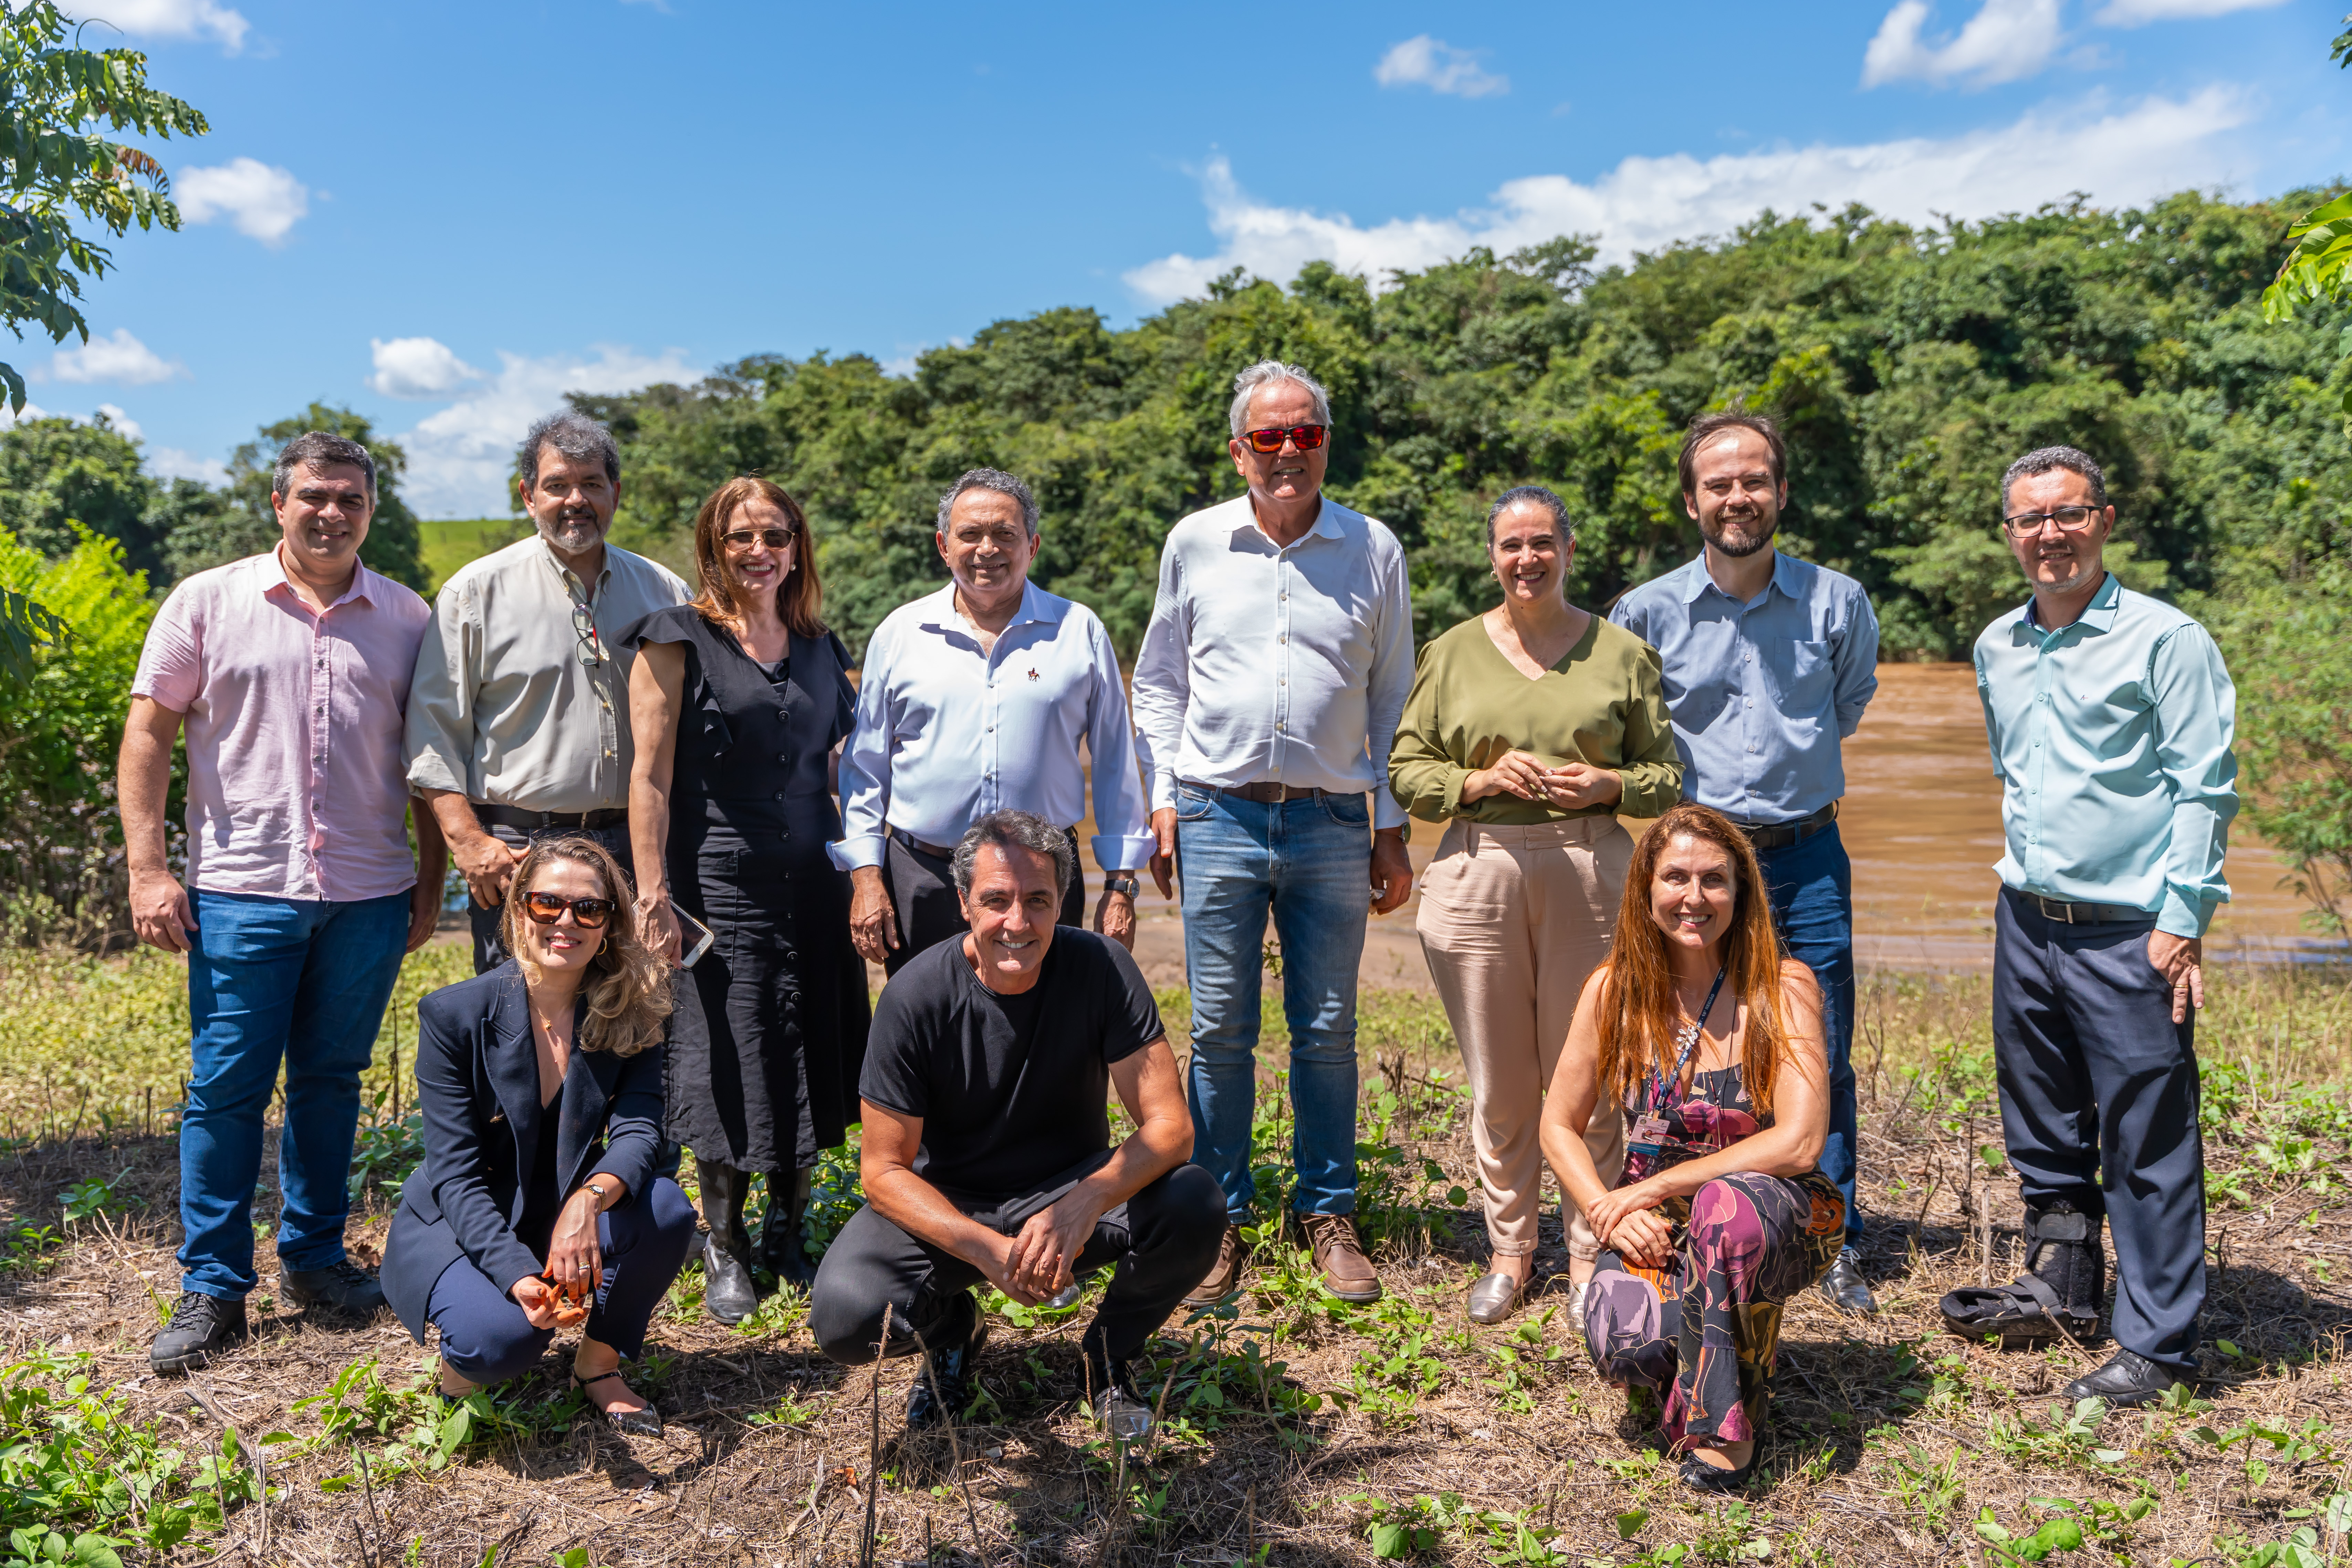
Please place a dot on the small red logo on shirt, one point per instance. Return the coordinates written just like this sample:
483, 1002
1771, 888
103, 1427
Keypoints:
1032, 672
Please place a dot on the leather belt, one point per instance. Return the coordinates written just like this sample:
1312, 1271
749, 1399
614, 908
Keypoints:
517, 817
2066, 913
1781, 835
947, 851
1266, 791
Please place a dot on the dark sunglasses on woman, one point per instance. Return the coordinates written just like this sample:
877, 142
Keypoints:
548, 907
744, 538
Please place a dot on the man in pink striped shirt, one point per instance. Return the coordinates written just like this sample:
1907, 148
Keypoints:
289, 671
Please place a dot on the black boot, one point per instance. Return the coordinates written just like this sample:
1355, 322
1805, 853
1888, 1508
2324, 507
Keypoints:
781, 1251
941, 1394
2063, 1250
727, 1293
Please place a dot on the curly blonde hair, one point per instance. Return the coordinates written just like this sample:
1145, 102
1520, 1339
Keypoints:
628, 991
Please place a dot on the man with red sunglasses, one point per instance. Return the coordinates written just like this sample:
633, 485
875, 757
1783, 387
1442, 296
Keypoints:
1267, 692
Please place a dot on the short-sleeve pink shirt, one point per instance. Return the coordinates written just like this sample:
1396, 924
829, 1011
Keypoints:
295, 786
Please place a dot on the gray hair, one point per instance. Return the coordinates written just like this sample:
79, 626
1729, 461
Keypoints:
318, 450
1016, 830
995, 479
2043, 459
574, 436
1534, 495
1266, 373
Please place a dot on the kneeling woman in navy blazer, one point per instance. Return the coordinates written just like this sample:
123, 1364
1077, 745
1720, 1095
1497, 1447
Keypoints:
541, 1087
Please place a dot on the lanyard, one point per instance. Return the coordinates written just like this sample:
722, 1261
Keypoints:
1688, 1041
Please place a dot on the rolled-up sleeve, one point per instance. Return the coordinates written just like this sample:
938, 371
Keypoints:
1856, 665
1423, 776
866, 765
1163, 682
439, 741
2196, 712
1390, 682
1653, 768
1122, 811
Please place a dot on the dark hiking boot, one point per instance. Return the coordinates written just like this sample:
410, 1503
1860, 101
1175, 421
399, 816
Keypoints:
342, 1287
943, 1391
727, 1292
1340, 1257
202, 1327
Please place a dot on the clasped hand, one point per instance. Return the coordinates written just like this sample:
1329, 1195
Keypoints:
1628, 1220
1039, 1261
1571, 786
575, 1264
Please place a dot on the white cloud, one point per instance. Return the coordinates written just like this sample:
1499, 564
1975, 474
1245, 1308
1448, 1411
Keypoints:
2006, 40
264, 202
121, 358
460, 459
10, 418
2139, 12
171, 463
2156, 146
417, 368
1438, 66
167, 18
124, 425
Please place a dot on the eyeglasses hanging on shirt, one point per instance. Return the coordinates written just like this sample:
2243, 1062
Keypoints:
584, 626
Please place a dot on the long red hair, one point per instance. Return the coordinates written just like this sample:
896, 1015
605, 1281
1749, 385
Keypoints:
800, 598
1639, 1016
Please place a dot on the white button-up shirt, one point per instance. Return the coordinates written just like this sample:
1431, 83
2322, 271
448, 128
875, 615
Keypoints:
946, 733
1267, 664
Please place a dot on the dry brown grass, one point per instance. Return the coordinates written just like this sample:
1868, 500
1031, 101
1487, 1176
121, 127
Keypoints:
1031, 1482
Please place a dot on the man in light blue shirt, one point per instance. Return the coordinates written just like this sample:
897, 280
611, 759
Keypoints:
1769, 664
973, 700
2111, 716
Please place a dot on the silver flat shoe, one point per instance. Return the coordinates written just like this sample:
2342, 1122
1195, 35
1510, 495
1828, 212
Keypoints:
1493, 1297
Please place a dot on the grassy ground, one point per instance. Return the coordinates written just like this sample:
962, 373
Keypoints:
449, 542
1295, 1430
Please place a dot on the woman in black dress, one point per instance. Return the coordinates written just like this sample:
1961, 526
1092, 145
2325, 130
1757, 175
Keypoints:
736, 702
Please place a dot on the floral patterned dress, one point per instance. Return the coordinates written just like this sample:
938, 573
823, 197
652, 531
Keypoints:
1702, 1330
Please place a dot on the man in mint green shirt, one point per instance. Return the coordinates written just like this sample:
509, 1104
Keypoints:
2110, 716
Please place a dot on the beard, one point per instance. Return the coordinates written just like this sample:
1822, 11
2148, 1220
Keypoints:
1754, 534
572, 534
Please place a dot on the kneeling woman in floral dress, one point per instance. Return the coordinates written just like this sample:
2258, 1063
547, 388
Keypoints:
1709, 1043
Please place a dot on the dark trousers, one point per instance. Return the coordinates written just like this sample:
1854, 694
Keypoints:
1811, 885
923, 898
484, 1333
2098, 1105
1163, 1239
489, 951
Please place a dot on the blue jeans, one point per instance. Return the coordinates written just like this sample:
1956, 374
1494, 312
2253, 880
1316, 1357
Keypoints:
304, 982
1812, 904
1308, 863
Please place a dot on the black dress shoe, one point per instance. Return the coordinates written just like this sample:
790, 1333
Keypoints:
201, 1328
1847, 1290
1700, 1476
942, 1393
344, 1287
2127, 1380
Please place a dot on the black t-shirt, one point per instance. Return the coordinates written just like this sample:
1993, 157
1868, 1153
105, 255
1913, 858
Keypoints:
1011, 1089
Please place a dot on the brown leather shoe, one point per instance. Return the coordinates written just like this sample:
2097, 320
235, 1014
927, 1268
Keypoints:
1347, 1272
1225, 1275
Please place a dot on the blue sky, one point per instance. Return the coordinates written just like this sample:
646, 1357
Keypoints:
445, 215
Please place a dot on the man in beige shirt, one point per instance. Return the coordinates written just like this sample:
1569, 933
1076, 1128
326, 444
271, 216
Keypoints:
519, 713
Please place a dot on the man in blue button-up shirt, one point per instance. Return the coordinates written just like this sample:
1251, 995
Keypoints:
1769, 663
2110, 716
974, 699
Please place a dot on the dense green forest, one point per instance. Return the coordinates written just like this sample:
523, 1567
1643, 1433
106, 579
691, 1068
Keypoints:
1909, 365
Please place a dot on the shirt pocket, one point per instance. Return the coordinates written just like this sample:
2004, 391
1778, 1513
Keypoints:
1800, 675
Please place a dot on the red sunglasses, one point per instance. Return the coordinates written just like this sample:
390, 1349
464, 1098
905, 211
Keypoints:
1305, 438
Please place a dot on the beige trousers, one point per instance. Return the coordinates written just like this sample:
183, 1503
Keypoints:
1513, 921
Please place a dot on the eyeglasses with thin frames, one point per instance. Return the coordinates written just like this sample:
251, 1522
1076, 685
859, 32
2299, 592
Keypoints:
2069, 518
773, 538
583, 628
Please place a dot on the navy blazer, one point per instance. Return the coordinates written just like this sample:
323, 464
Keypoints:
478, 1086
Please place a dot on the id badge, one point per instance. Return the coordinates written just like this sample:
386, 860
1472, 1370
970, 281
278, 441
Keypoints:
1648, 1135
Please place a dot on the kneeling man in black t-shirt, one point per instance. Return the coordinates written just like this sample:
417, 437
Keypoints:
987, 1146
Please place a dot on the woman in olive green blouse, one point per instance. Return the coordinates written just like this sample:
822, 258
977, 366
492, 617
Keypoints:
1529, 730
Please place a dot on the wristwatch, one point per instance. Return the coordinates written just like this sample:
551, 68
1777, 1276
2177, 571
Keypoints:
604, 1194
1121, 883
